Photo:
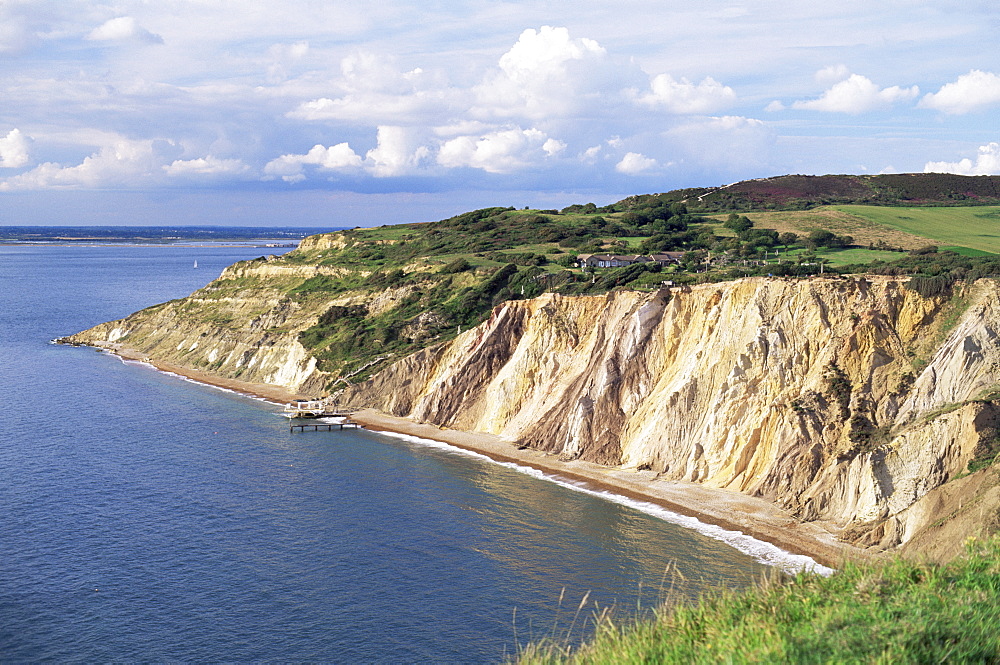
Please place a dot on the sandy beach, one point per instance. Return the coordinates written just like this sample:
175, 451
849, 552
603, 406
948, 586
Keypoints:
727, 509
724, 508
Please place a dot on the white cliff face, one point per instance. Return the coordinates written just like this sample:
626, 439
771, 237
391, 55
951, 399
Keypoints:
802, 392
293, 367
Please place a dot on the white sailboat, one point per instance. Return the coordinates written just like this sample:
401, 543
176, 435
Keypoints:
196, 263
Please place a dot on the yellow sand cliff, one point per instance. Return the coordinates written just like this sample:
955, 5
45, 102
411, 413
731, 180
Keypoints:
855, 401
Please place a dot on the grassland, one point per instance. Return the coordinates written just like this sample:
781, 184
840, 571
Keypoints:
837, 220
845, 257
893, 612
976, 228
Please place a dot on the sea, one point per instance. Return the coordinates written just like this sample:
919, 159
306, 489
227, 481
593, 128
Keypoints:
145, 517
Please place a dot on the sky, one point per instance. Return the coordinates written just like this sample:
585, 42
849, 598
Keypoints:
355, 113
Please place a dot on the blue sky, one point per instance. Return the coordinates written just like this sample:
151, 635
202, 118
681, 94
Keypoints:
312, 112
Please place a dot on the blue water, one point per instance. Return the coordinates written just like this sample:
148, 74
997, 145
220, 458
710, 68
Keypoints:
145, 517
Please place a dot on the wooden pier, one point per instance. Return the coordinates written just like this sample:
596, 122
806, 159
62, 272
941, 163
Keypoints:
321, 427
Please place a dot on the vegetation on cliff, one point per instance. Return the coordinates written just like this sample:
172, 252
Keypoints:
891, 612
429, 285
382, 293
370, 296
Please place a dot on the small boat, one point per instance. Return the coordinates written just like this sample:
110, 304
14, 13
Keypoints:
196, 263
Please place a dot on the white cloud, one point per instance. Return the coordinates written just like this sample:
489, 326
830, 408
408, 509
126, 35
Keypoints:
857, 94
15, 35
728, 144
634, 162
549, 74
502, 151
374, 91
987, 163
14, 150
971, 92
289, 52
400, 151
246, 93
338, 157
553, 147
684, 97
590, 155
545, 53
832, 74
283, 56
209, 166
123, 163
123, 28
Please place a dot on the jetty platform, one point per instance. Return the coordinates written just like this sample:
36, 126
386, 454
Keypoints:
307, 410
321, 427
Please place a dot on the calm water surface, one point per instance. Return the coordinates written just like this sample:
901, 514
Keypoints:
144, 517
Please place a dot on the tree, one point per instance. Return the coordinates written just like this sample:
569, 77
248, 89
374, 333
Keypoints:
788, 238
737, 223
822, 238
633, 218
670, 224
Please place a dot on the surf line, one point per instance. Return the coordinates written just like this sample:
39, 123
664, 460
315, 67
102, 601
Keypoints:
759, 550
148, 365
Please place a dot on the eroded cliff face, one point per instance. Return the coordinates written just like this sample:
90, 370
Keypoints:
855, 401
808, 393
242, 326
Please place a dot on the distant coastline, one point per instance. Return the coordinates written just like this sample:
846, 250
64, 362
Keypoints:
263, 244
175, 236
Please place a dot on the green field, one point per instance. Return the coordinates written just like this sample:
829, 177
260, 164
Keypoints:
844, 257
974, 227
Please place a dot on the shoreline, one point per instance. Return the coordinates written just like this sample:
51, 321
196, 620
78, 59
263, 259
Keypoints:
265, 391
727, 509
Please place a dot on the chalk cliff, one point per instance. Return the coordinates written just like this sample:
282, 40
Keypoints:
856, 401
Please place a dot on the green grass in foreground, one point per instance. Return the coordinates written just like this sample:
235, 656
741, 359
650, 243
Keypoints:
975, 227
895, 612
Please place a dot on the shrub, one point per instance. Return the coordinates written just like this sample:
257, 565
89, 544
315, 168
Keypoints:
458, 265
930, 287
